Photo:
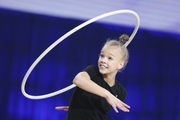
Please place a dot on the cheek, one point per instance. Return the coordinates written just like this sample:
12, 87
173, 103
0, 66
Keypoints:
116, 64
99, 60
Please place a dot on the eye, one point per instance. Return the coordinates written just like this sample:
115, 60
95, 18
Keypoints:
101, 56
110, 58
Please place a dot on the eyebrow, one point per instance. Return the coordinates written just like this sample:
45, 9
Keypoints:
110, 54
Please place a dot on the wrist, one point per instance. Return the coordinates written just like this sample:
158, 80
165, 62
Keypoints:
106, 94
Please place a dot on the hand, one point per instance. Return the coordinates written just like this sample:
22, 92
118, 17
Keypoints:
65, 108
116, 103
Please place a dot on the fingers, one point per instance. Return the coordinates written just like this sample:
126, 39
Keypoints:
59, 108
124, 109
116, 110
65, 108
122, 106
125, 105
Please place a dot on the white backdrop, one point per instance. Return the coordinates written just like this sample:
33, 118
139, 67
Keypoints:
162, 15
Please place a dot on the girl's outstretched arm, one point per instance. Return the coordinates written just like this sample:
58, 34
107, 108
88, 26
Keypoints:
83, 81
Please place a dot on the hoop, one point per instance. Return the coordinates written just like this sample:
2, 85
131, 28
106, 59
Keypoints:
65, 36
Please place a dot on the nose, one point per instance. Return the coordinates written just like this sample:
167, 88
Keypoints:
103, 60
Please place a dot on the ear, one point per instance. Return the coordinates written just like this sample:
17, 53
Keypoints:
120, 65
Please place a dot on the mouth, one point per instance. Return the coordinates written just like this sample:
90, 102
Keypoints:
102, 66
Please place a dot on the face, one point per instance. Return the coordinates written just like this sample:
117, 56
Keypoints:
109, 60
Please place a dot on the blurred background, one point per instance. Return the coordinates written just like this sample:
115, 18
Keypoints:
28, 27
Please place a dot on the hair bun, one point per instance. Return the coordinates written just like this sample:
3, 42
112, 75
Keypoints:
124, 38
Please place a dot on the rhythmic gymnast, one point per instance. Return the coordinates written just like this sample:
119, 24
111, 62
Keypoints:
97, 90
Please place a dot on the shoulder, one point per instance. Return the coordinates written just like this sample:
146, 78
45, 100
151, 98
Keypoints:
92, 70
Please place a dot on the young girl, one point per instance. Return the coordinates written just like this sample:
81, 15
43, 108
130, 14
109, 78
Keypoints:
97, 89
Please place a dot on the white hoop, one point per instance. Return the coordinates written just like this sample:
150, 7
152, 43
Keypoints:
65, 36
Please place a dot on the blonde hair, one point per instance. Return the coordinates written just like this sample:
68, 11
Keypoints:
120, 44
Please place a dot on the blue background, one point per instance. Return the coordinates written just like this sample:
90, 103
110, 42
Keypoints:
151, 78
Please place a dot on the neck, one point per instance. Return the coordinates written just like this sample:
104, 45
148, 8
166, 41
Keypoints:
110, 79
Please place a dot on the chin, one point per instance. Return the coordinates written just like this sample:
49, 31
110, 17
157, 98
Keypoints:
102, 72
